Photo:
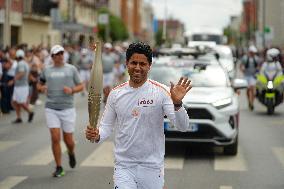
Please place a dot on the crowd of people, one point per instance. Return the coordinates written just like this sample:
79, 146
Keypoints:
33, 60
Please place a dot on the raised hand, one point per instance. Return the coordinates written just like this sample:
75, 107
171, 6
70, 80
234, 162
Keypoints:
179, 90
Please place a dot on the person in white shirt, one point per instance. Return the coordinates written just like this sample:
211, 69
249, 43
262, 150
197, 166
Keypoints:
136, 110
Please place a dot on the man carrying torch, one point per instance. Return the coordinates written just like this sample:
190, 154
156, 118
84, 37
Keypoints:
135, 110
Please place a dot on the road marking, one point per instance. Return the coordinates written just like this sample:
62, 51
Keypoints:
279, 153
226, 163
4, 145
277, 123
226, 187
101, 157
174, 163
10, 182
44, 156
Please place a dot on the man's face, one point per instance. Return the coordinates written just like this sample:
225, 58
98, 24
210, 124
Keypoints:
58, 58
251, 53
138, 68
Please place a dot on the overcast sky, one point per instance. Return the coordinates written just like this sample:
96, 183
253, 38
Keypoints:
196, 13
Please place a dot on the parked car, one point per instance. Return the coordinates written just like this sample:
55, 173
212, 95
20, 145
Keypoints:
212, 104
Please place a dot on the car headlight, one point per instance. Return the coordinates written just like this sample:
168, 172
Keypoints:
222, 103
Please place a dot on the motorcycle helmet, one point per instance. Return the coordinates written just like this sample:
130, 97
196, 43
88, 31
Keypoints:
272, 55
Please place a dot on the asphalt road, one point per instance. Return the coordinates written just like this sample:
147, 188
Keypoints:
26, 161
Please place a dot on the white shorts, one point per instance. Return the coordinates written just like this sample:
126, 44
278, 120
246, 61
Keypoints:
85, 75
108, 79
20, 94
64, 119
138, 177
251, 80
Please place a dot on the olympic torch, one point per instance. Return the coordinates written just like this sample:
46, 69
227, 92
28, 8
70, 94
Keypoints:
95, 87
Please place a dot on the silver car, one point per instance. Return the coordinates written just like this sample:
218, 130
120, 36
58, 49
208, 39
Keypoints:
212, 104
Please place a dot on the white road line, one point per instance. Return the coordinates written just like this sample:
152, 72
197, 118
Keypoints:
4, 145
226, 187
279, 153
12, 181
101, 157
227, 163
43, 157
174, 163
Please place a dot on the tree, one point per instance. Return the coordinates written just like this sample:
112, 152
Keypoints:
117, 29
159, 37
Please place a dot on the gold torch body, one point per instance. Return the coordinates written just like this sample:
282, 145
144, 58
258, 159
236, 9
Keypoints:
95, 87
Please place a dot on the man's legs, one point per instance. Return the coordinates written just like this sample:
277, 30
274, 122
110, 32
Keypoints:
252, 94
70, 144
17, 108
68, 119
55, 145
54, 125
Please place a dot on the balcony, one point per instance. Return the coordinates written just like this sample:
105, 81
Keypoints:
38, 7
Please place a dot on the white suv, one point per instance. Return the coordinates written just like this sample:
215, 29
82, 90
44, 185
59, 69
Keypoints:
212, 104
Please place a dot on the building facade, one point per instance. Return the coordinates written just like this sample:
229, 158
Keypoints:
10, 22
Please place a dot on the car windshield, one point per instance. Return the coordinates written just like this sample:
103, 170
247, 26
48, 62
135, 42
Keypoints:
200, 75
165, 74
207, 77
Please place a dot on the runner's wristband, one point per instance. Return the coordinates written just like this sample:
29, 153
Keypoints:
178, 105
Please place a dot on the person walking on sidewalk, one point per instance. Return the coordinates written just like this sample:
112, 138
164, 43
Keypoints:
21, 88
136, 110
60, 82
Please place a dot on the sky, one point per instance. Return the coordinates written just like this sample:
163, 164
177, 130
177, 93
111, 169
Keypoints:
198, 13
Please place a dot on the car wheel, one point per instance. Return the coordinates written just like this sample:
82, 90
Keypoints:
231, 149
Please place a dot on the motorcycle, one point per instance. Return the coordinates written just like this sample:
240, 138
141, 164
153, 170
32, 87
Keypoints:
269, 89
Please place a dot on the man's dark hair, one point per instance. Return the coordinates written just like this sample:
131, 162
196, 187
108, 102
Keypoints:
140, 48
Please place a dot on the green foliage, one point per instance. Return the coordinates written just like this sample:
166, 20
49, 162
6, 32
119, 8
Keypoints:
159, 37
117, 29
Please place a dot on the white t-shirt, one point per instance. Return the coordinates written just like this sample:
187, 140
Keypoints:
137, 117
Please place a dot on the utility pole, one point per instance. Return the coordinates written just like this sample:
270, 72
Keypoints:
263, 24
7, 26
165, 23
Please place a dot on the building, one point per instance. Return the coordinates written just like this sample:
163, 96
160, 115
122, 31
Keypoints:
10, 22
76, 20
174, 30
270, 24
147, 29
263, 22
36, 27
249, 22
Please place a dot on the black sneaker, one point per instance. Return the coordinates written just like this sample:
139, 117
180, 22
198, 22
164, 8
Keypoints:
72, 160
59, 172
18, 120
31, 116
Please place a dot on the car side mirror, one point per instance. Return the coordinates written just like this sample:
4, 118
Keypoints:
239, 84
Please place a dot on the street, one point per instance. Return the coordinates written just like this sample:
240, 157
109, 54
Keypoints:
26, 160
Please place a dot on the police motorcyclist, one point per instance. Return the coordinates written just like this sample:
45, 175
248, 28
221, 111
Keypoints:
272, 62
249, 66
